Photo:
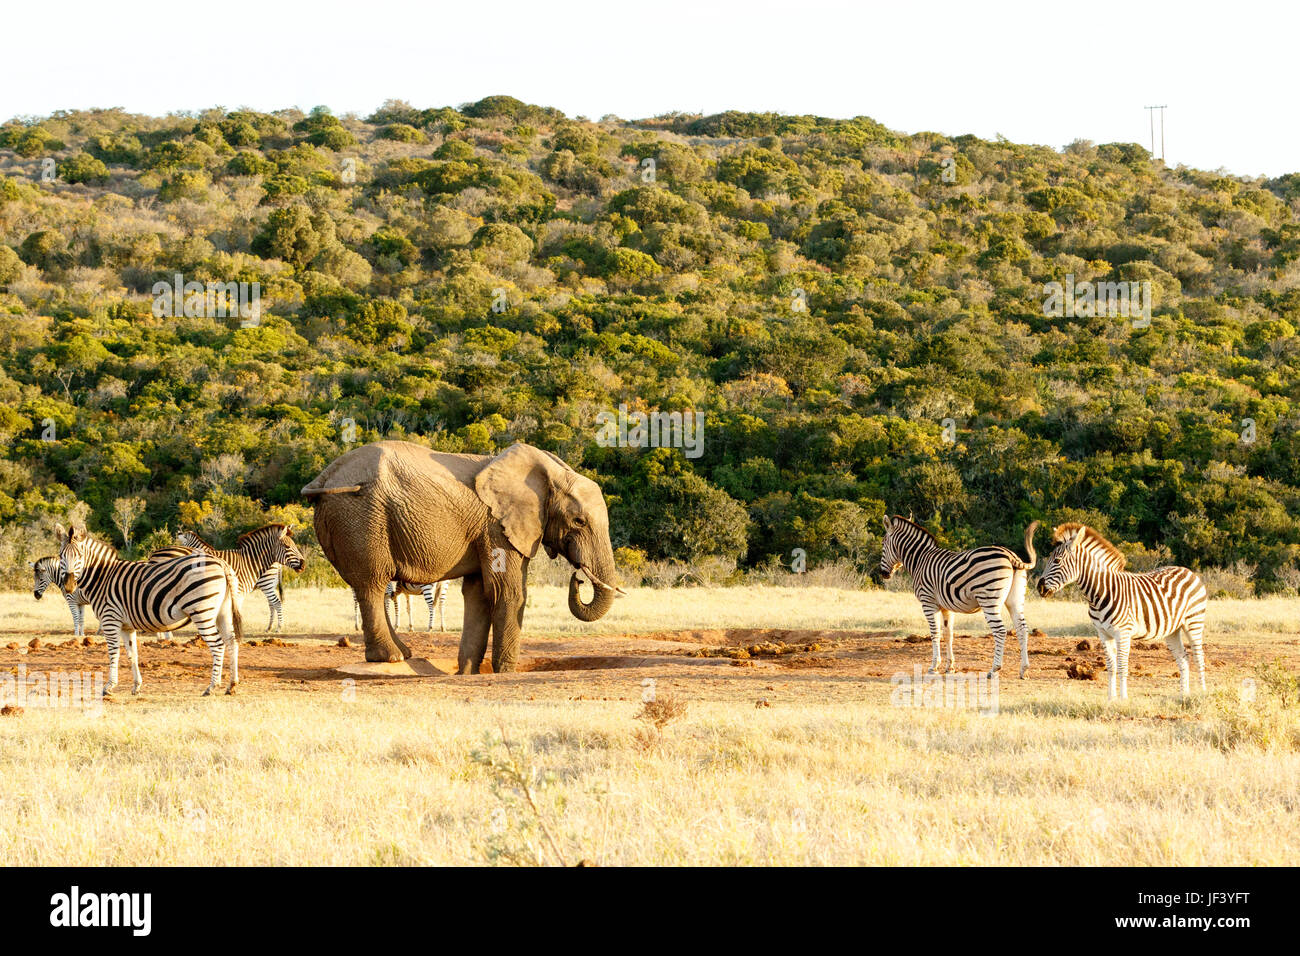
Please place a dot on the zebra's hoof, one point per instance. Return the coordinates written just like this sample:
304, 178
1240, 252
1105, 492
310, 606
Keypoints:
1023, 672
135, 690
206, 693
231, 689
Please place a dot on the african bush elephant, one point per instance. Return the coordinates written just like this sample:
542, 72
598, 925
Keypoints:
394, 510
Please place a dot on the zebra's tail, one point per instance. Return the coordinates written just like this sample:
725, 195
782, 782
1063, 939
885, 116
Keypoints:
1029, 548
232, 593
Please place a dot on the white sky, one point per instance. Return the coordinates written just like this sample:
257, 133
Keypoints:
1030, 71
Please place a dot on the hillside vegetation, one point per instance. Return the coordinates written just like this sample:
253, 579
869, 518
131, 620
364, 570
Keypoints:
858, 314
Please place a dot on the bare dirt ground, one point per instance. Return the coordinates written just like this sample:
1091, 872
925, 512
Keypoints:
723, 664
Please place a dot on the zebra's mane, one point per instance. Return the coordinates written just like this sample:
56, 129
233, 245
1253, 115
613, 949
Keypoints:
1063, 531
933, 539
197, 537
95, 543
257, 531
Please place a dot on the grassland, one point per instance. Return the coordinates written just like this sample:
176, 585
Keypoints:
793, 762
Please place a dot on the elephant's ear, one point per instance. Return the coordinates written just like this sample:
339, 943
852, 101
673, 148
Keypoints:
515, 485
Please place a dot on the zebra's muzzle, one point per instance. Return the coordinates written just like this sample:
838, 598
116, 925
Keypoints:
1043, 589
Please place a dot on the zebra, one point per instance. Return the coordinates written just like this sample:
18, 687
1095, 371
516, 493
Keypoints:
1168, 602
435, 595
257, 561
981, 579
154, 596
46, 572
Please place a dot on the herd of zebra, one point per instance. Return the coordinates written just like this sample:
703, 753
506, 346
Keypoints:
194, 581
1124, 606
191, 580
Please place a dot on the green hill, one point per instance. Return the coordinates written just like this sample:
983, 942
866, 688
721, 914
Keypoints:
859, 315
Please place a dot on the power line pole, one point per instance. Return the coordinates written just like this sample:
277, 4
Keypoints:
1152, 117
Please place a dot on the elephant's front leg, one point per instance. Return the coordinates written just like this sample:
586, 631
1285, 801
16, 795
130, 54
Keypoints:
508, 621
382, 643
474, 632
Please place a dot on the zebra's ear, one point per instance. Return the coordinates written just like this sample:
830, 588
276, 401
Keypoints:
59, 532
888, 522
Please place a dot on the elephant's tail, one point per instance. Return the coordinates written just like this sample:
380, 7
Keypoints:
309, 491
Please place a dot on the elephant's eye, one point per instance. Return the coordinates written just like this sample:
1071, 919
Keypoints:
580, 522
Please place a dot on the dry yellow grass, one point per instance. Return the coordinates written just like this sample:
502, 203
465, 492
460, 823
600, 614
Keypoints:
365, 776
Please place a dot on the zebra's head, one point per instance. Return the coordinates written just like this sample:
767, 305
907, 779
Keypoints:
1063, 564
287, 553
43, 572
72, 555
889, 560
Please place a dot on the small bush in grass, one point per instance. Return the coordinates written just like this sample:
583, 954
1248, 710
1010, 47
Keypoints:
1264, 712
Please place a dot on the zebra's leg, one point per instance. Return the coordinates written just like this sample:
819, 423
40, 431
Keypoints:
430, 592
442, 606
79, 619
1016, 608
1125, 640
356, 612
1108, 651
993, 615
936, 638
112, 634
1195, 631
945, 623
1176, 646
207, 628
133, 649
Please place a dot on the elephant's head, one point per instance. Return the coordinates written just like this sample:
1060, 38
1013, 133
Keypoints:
540, 500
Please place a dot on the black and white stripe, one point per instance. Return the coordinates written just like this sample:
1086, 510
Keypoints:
154, 596
1124, 606
46, 572
435, 596
947, 582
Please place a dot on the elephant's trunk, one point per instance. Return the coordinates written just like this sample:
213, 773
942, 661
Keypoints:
601, 601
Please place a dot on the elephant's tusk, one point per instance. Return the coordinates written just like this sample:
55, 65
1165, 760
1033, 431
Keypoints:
595, 580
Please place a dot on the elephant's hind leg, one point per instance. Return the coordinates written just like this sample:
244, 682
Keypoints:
381, 641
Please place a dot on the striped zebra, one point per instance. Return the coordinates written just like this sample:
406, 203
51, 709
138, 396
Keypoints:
947, 582
435, 595
46, 572
257, 560
1124, 605
154, 596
